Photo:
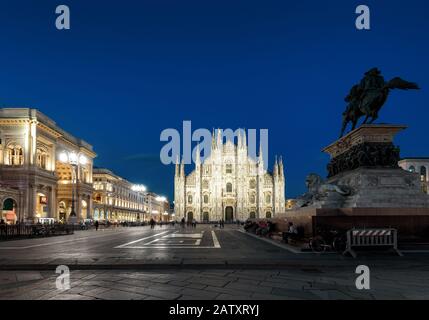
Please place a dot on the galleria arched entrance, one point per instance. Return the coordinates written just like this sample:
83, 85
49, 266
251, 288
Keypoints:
229, 214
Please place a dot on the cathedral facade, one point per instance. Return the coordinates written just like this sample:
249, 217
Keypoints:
228, 185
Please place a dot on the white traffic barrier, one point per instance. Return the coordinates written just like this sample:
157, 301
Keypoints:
385, 237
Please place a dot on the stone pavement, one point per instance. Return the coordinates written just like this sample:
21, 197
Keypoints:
321, 283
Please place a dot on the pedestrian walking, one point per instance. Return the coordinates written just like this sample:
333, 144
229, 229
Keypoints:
96, 225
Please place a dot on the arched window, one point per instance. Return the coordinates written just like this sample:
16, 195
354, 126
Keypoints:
206, 198
42, 158
205, 184
189, 199
229, 187
268, 215
423, 173
268, 198
14, 155
412, 169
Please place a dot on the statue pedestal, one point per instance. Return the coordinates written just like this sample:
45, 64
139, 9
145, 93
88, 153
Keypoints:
366, 161
370, 145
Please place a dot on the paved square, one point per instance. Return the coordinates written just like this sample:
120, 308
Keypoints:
175, 240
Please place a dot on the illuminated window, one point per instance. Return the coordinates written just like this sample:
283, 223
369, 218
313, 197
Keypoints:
42, 158
14, 155
423, 173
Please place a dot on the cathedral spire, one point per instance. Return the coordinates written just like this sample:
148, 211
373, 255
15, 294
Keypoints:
276, 168
213, 139
219, 138
244, 139
177, 171
197, 156
239, 142
281, 172
182, 169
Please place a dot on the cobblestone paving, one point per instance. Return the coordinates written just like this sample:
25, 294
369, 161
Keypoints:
217, 285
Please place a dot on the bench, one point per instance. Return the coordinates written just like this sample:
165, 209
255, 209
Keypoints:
374, 237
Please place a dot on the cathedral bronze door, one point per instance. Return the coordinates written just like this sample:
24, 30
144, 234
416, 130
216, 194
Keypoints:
229, 214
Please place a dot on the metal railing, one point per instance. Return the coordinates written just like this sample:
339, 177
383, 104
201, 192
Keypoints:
16, 231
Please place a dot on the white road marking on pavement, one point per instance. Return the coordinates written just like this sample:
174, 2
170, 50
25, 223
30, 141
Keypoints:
283, 246
172, 247
56, 242
178, 244
215, 240
138, 240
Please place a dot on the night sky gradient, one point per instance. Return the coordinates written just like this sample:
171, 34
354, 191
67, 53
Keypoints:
129, 69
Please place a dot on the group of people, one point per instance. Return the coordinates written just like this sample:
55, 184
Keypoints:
266, 227
260, 228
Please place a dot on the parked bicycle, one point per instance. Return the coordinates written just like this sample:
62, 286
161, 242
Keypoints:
328, 240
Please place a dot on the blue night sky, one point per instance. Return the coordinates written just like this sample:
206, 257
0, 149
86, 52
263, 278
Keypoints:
129, 69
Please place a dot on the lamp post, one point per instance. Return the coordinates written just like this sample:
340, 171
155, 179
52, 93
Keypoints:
74, 160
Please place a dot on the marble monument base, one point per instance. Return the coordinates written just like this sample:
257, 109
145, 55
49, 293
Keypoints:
378, 188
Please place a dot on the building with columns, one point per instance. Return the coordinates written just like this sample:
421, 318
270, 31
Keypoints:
229, 185
158, 207
34, 182
116, 199
418, 165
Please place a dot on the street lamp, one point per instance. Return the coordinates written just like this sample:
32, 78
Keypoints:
74, 160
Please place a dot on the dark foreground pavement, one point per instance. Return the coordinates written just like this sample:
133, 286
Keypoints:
201, 263
216, 285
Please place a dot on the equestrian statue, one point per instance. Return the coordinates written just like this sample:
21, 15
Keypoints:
368, 97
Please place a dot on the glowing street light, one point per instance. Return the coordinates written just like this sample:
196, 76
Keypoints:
138, 188
73, 159
161, 199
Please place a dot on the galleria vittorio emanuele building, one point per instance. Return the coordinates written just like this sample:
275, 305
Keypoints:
229, 185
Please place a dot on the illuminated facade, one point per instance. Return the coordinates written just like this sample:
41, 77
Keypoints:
229, 185
116, 199
158, 207
34, 183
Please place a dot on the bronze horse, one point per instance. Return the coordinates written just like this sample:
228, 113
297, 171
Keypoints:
368, 97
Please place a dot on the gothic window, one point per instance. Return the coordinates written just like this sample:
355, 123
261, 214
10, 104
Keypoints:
268, 198
229, 187
205, 184
207, 169
252, 184
229, 168
189, 199
206, 198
